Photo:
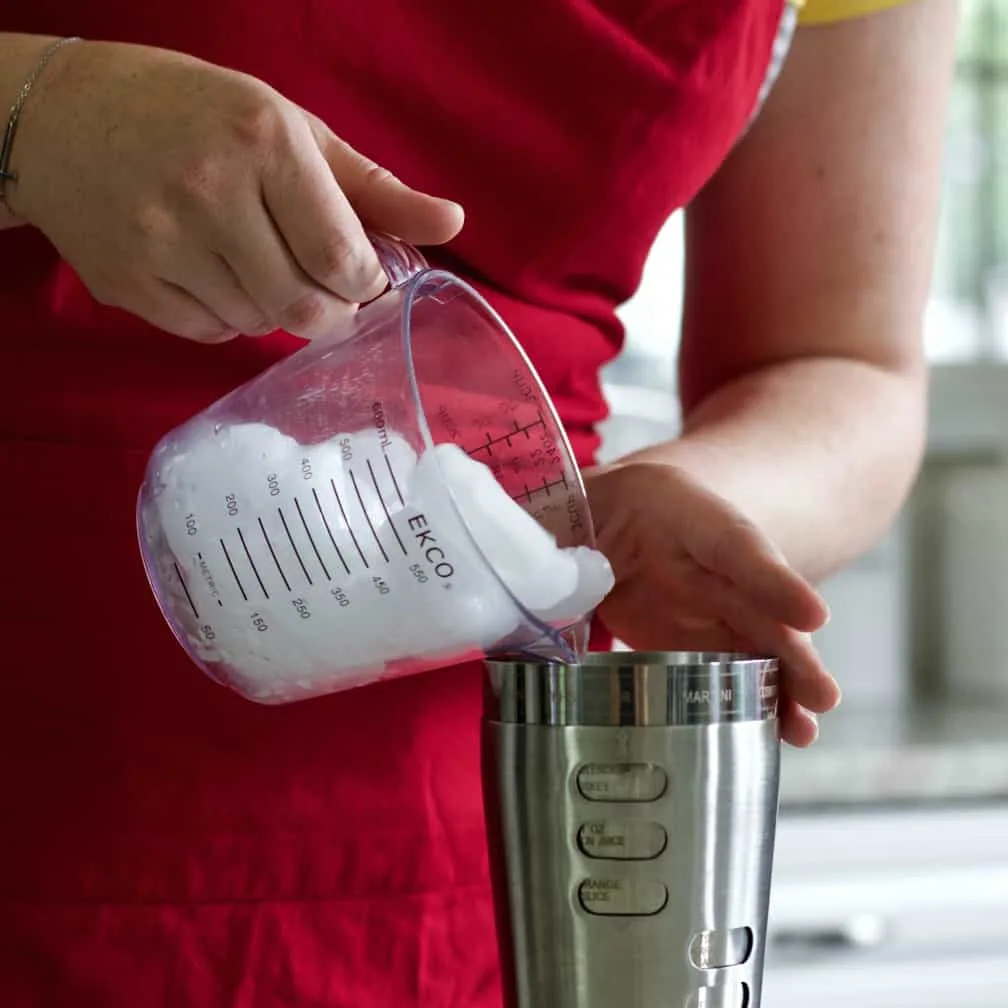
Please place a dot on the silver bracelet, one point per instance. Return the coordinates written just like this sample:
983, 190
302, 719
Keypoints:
6, 175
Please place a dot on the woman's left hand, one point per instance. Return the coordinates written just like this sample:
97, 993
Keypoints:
692, 573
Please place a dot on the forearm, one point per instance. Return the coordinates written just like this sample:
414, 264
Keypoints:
19, 55
818, 452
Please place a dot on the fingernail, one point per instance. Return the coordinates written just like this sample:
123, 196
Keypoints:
814, 721
839, 694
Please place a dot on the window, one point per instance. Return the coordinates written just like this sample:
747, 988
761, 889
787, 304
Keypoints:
967, 317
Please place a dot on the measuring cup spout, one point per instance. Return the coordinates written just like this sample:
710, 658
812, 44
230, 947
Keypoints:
400, 261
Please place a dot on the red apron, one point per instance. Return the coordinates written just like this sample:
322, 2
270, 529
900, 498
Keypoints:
164, 842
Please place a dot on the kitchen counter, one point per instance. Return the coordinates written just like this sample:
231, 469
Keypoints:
924, 752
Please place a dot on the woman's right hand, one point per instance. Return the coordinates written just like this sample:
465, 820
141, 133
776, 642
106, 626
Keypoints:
202, 200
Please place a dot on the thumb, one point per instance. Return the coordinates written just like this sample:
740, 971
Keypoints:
384, 203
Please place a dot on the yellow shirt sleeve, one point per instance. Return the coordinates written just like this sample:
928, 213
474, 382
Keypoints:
812, 12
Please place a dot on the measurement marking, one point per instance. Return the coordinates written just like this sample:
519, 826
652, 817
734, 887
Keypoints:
185, 588
395, 482
547, 486
367, 517
234, 573
506, 438
517, 430
290, 539
332, 538
280, 569
349, 527
318, 556
252, 563
395, 531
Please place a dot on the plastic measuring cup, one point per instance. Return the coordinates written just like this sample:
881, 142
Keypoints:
395, 497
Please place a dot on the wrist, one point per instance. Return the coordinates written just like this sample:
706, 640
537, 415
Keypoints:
30, 84
689, 454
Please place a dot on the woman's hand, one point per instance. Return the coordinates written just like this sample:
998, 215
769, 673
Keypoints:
693, 574
201, 199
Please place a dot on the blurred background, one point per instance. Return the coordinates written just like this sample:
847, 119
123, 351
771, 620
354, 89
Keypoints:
891, 879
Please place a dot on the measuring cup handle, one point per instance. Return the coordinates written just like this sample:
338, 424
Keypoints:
400, 261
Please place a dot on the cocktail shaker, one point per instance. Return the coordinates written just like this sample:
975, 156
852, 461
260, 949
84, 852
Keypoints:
631, 804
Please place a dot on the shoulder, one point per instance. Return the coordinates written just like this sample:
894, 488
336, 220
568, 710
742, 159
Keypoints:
812, 12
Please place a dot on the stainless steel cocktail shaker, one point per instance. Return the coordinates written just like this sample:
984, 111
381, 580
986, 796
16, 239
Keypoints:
631, 806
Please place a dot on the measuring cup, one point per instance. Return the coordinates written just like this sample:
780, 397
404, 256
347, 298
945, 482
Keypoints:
395, 497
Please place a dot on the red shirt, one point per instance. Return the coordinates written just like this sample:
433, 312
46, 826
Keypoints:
165, 842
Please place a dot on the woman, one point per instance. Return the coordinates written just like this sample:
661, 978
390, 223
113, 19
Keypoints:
199, 176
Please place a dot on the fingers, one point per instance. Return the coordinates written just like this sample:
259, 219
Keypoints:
805, 683
174, 310
318, 192
284, 295
739, 551
318, 225
798, 727
210, 281
804, 678
383, 201
729, 545
766, 603
727, 621
754, 565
